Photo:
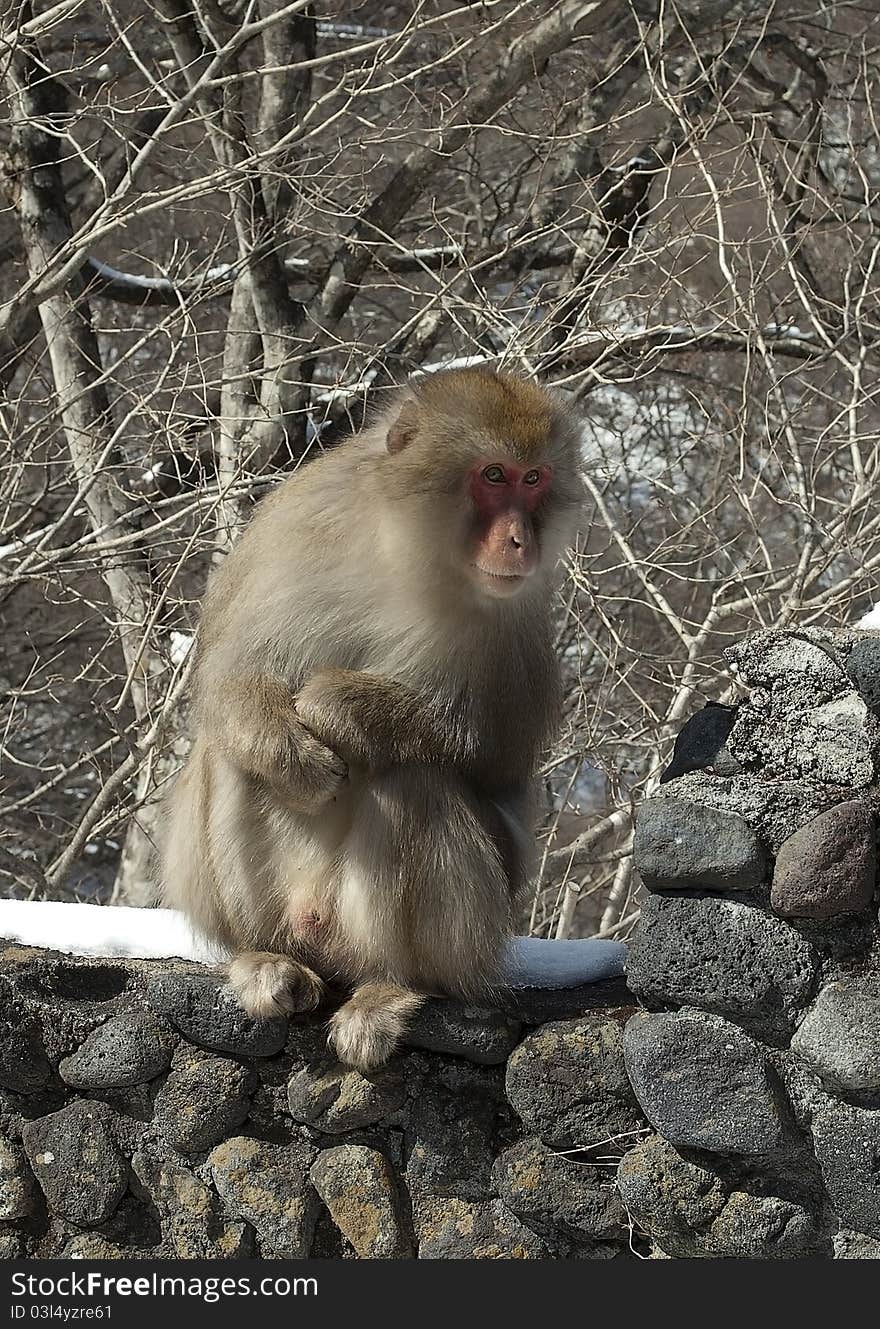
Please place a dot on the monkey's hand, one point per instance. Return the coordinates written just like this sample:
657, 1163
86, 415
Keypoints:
370, 721
253, 720
311, 773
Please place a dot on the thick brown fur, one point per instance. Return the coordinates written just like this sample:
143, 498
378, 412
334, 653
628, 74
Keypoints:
356, 805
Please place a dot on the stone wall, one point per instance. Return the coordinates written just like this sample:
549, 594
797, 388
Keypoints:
142, 1114
757, 1059
728, 1105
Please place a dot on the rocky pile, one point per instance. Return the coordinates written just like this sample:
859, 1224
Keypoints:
143, 1114
757, 1060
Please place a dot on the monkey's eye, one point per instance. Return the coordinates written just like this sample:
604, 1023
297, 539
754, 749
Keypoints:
495, 475
531, 477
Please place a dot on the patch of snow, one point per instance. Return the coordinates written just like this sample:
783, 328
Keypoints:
790, 330
538, 962
222, 270
109, 931
460, 362
181, 644
871, 619
120, 932
632, 164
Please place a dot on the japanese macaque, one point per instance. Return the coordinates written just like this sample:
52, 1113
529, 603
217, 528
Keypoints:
376, 680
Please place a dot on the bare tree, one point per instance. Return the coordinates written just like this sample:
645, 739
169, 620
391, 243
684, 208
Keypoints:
231, 225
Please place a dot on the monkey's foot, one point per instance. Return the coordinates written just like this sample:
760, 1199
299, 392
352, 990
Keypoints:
269, 985
367, 1029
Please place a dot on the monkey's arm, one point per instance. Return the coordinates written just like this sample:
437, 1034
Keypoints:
376, 722
253, 720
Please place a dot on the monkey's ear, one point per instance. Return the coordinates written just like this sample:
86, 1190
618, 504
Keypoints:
403, 428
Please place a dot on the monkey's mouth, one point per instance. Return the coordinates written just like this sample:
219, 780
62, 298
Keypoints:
500, 583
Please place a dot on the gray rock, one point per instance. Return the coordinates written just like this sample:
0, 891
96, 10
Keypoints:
673, 1200
763, 1227
809, 670
13, 1245
16, 1182
829, 866
267, 1186
849, 1245
689, 1212
65, 997
77, 1161
836, 741
556, 1193
450, 1152
832, 743
680, 845
127, 1049
847, 1141
194, 1223
703, 1083
567, 1083
68, 979
840, 1035
475, 1032
335, 1099
453, 1229
358, 1188
722, 956
208, 1013
539, 1005
863, 667
89, 1246
774, 808
24, 1066
202, 1101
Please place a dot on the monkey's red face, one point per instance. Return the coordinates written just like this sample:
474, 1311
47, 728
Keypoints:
505, 546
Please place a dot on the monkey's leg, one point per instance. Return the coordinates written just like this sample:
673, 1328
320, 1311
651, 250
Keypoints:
424, 903
367, 1029
267, 984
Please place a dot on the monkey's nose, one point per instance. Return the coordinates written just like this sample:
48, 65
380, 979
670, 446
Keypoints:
518, 534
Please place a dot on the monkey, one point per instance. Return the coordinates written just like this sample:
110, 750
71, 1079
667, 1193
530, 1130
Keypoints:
376, 679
